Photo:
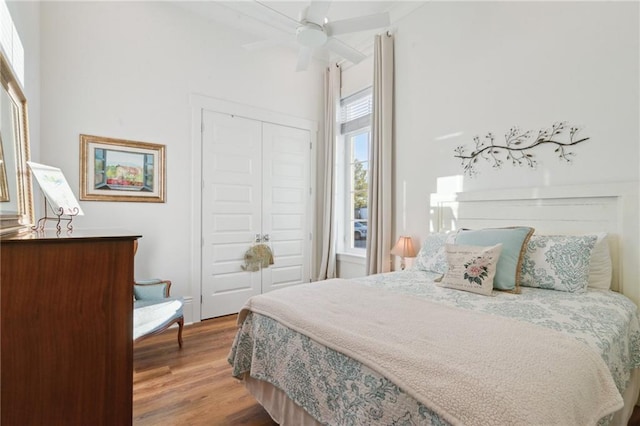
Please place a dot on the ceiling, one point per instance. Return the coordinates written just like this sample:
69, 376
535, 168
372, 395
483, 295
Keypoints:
269, 23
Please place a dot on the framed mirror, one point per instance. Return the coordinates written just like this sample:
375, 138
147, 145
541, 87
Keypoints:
16, 197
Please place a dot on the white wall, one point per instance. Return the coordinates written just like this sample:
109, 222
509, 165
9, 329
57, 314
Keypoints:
467, 68
126, 70
356, 77
470, 68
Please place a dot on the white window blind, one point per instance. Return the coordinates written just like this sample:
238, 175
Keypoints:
10, 42
355, 111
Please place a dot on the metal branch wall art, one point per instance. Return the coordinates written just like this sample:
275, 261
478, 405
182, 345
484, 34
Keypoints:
518, 146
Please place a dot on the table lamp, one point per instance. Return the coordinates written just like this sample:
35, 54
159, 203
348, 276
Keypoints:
403, 248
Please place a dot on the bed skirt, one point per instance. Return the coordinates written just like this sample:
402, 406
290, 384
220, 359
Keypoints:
285, 412
281, 409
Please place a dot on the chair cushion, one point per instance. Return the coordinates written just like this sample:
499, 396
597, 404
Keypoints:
153, 315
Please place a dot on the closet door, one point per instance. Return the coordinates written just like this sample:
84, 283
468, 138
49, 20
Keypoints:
231, 210
256, 180
286, 194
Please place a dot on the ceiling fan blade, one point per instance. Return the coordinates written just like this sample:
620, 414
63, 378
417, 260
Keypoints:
317, 11
271, 42
304, 57
361, 23
275, 16
344, 50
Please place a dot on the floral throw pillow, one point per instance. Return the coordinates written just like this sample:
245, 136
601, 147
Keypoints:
558, 262
471, 268
431, 256
514, 243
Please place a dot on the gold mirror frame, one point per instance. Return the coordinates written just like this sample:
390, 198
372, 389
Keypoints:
16, 197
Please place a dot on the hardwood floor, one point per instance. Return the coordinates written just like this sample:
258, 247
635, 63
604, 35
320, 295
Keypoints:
635, 417
192, 385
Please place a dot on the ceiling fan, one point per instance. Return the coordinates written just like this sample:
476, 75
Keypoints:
314, 31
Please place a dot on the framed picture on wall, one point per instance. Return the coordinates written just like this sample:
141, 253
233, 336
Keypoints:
121, 170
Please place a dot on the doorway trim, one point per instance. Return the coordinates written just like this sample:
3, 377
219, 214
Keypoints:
199, 103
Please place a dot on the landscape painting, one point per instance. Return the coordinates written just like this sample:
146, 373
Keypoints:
121, 170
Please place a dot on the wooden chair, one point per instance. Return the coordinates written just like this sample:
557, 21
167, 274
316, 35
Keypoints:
154, 310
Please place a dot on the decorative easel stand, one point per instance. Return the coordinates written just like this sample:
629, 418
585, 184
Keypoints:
59, 217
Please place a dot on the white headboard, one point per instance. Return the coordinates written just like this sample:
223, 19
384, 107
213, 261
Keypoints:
572, 209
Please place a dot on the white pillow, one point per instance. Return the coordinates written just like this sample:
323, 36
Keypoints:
471, 268
600, 269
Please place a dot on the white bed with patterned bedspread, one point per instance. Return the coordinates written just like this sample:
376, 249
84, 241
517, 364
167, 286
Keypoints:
562, 350
353, 393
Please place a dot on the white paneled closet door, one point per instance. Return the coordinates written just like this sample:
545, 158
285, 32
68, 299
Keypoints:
255, 183
285, 198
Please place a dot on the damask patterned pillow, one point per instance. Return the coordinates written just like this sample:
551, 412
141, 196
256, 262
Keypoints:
558, 262
471, 268
431, 256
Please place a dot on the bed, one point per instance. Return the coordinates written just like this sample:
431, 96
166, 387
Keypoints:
409, 347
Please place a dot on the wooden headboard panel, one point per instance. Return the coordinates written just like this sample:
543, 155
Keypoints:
574, 209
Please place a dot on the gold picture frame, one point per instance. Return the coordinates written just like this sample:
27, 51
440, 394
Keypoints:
121, 170
4, 186
16, 198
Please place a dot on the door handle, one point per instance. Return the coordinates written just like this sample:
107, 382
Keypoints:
266, 238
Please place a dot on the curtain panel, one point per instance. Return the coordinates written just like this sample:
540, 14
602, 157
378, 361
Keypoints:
328, 214
380, 159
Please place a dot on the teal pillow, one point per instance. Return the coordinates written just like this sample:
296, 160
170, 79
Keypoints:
514, 244
153, 289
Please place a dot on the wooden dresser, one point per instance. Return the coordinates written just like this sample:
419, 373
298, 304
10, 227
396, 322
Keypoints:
66, 328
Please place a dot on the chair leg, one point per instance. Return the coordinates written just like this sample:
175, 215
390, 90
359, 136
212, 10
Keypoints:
180, 325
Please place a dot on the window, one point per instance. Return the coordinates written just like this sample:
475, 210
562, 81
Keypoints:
10, 42
353, 170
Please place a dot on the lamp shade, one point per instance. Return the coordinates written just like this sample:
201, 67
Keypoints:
404, 248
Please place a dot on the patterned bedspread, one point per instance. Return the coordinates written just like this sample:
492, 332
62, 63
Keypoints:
338, 390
